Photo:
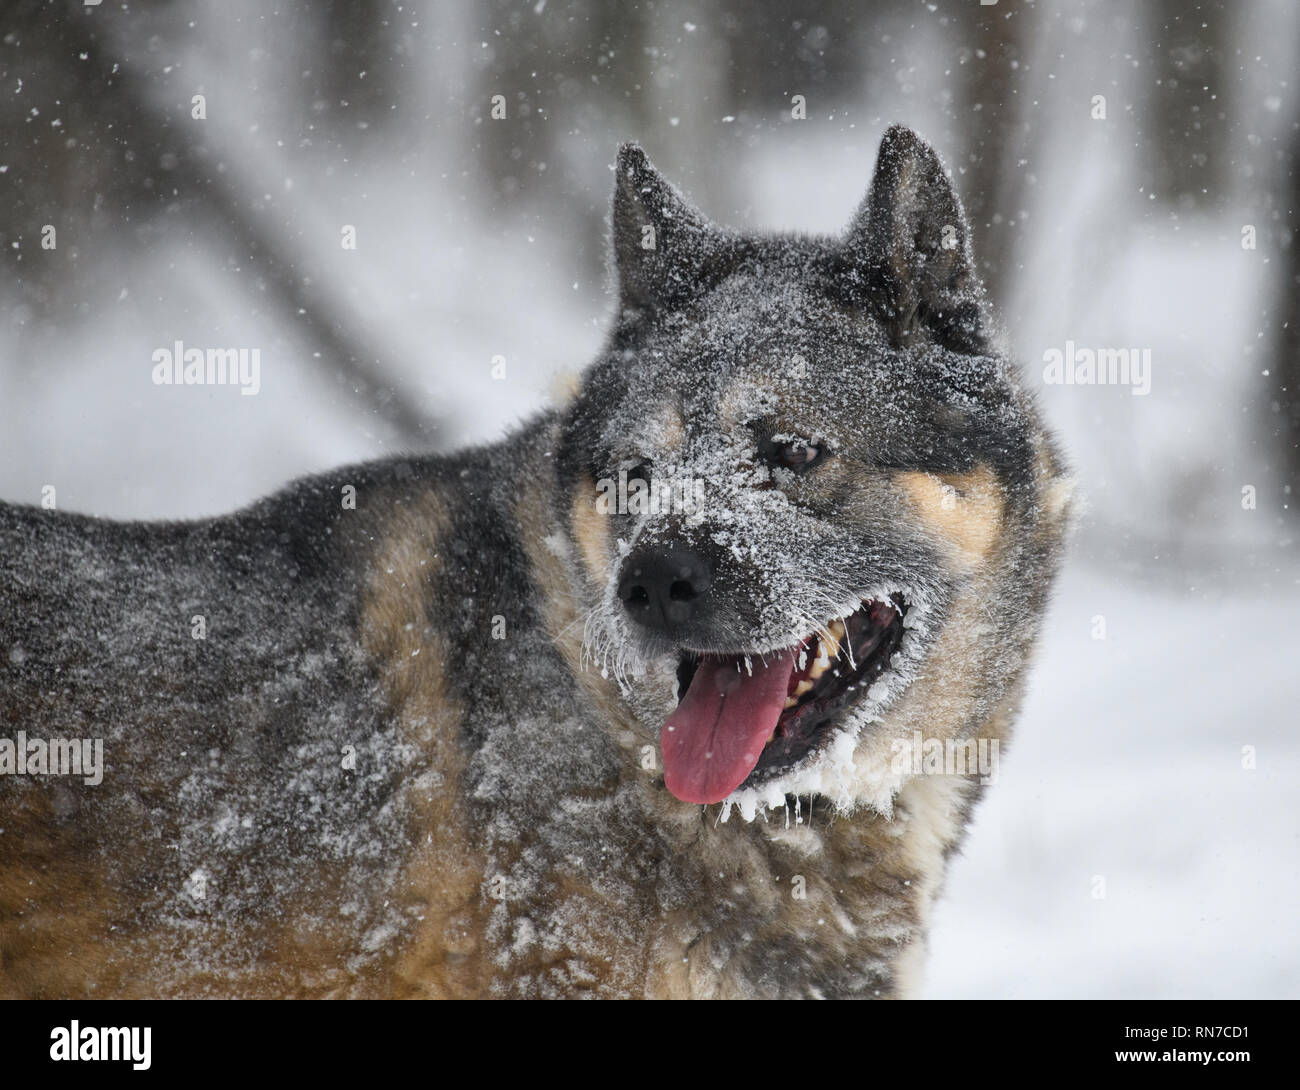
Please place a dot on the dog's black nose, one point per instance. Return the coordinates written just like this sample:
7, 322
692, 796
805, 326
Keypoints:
662, 588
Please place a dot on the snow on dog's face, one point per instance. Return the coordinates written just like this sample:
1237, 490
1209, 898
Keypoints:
795, 474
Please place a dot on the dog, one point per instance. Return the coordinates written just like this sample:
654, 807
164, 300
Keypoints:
620, 706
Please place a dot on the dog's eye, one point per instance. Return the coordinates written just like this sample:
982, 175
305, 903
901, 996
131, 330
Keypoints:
640, 472
797, 455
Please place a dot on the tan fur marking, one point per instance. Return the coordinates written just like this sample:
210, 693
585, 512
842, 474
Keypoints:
563, 616
967, 508
57, 908
591, 532
564, 387
443, 880
672, 430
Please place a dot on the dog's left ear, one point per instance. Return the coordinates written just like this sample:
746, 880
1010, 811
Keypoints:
662, 246
911, 242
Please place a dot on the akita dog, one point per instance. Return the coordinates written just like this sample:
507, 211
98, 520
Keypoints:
613, 707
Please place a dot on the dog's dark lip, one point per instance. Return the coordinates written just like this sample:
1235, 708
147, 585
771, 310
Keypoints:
874, 632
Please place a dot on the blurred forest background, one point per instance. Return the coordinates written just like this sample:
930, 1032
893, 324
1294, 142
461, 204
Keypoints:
481, 238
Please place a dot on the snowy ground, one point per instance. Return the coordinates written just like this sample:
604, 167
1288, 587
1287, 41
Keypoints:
1128, 766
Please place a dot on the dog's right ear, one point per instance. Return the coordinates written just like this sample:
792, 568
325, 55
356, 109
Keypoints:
662, 246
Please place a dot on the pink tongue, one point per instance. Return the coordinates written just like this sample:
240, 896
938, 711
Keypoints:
714, 738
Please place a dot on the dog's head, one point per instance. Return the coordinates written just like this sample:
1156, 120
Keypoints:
797, 466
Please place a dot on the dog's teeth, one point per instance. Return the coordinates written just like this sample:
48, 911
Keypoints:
830, 644
837, 629
790, 702
770, 737
803, 687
